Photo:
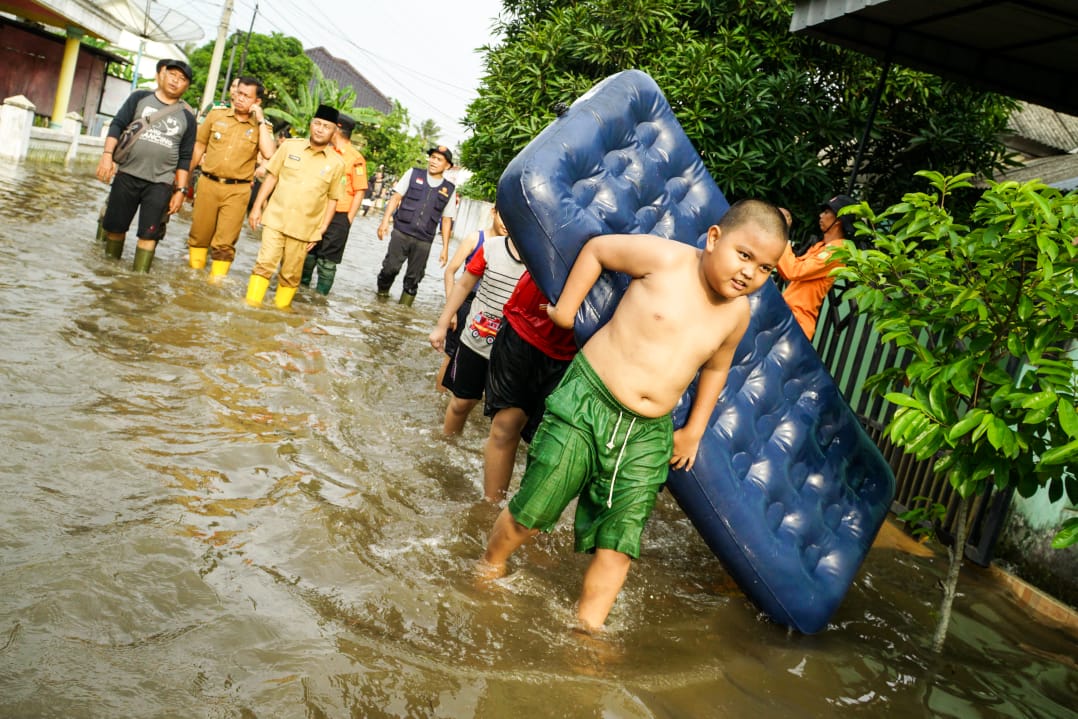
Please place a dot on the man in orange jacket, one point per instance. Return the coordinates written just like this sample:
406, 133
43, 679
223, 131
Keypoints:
809, 276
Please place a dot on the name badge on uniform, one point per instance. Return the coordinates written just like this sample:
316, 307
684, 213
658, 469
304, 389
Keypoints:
294, 158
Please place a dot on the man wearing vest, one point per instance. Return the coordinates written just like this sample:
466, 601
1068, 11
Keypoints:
420, 200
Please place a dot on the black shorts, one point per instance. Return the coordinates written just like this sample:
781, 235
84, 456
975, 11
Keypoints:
520, 375
467, 374
130, 194
452, 339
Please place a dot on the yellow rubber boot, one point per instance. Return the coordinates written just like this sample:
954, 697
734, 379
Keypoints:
284, 296
256, 290
219, 268
198, 257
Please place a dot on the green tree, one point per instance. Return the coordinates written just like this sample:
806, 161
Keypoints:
987, 306
428, 132
297, 111
392, 144
277, 60
771, 114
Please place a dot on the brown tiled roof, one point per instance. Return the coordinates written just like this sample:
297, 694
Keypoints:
367, 95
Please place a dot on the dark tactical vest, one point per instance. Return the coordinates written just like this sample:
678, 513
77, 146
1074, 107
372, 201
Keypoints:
420, 210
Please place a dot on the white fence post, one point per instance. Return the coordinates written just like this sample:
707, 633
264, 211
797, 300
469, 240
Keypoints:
16, 119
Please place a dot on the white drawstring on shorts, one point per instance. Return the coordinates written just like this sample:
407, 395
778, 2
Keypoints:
621, 453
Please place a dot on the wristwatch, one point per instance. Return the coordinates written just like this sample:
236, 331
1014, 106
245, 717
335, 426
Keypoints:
177, 188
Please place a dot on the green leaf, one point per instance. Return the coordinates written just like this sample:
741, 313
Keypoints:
1067, 536
1039, 400
904, 400
964, 425
1055, 490
1068, 418
1061, 455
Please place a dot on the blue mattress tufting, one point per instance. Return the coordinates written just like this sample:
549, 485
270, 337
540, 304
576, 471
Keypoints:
787, 490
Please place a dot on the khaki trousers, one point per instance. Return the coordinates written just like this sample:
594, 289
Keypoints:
279, 249
218, 217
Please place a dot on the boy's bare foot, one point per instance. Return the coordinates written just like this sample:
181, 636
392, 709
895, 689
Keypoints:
486, 572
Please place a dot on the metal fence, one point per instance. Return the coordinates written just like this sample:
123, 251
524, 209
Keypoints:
852, 351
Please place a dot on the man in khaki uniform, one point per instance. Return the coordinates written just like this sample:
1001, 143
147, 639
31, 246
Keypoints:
228, 144
304, 178
328, 253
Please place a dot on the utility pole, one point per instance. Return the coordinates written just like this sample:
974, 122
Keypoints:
243, 57
218, 53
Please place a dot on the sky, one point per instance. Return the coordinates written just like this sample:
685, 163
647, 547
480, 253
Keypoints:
420, 52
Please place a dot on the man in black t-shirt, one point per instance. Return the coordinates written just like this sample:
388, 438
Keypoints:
152, 178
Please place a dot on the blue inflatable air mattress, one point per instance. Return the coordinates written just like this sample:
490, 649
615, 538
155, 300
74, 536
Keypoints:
788, 491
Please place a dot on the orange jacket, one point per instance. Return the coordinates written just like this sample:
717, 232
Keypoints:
809, 278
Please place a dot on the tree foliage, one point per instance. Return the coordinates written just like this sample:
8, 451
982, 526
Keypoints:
297, 111
392, 144
277, 60
772, 114
987, 306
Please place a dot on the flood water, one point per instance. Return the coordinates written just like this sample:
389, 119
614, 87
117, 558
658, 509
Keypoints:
212, 510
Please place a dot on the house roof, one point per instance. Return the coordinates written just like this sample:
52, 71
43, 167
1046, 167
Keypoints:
1053, 129
1057, 170
341, 71
89, 17
1021, 48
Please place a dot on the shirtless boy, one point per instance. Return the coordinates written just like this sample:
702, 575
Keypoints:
607, 434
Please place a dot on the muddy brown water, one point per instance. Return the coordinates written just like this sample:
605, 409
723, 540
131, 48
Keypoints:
211, 510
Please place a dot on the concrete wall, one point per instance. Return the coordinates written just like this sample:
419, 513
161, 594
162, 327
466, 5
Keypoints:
472, 215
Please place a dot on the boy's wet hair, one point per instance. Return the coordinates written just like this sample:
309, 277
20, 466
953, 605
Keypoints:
766, 215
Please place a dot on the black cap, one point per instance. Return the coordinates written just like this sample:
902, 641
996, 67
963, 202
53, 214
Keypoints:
443, 151
176, 65
325, 112
345, 124
835, 204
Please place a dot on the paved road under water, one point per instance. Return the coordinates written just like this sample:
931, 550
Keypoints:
211, 510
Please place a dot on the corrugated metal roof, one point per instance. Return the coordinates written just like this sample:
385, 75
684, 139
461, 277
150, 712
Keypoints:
1027, 49
1048, 127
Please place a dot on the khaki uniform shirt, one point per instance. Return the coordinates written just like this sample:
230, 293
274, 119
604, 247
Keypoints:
231, 144
306, 180
354, 178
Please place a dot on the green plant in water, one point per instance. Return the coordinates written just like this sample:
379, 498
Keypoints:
923, 517
987, 307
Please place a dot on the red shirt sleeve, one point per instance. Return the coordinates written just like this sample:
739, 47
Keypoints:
478, 264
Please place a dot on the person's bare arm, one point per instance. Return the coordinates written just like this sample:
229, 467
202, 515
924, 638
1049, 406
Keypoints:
391, 207
635, 255
106, 168
447, 229
176, 200
357, 202
450, 275
460, 291
267, 145
712, 381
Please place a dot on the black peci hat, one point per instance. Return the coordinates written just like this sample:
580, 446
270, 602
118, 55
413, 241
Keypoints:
325, 112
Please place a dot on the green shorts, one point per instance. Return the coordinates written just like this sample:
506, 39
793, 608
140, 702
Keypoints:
590, 446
